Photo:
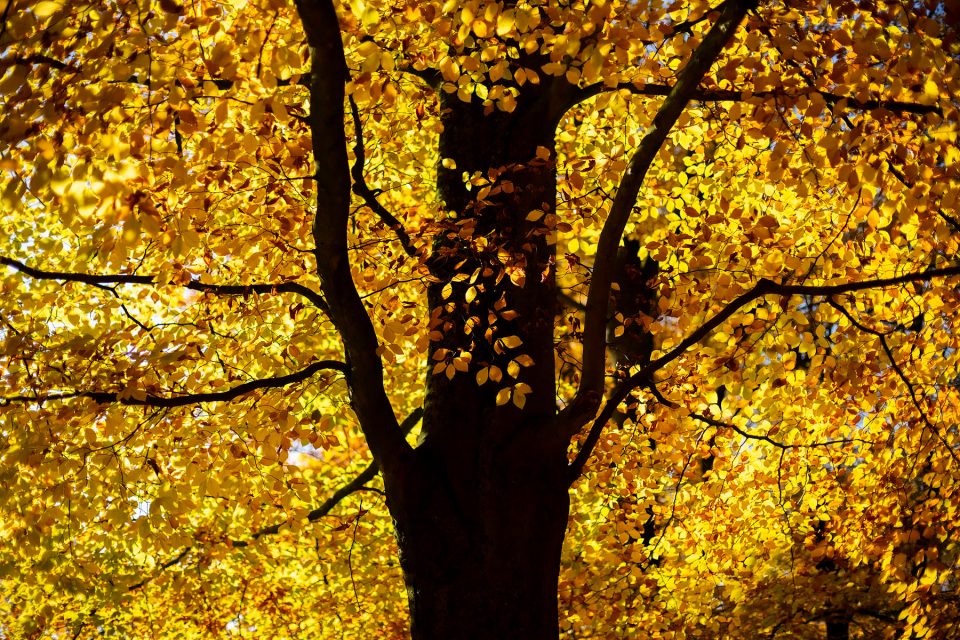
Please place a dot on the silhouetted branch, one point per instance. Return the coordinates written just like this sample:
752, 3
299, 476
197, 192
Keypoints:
162, 567
911, 388
764, 287
949, 219
369, 195
151, 400
719, 424
351, 487
588, 394
100, 280
729, 95
328, 78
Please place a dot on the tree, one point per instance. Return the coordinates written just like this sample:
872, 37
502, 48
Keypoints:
692, 264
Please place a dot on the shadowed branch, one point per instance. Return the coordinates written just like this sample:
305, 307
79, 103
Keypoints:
151, 400
324, 509
911, 387
589, 392
351, 487
328, 77
100, 280
369, 196
764, 287
732, 95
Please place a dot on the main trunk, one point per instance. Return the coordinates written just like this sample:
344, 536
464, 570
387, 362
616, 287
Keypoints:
481, 512
838, 629
483, 564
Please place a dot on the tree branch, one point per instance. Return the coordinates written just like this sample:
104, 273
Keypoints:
588, 395
328, 505
39, 58
151, 400
195, 285
911, 388
328, 76
732, 95
950, 220
719, 424
369, 196
163, 567
351, 487
764, 287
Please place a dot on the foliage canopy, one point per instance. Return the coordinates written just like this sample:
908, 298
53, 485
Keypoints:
724, 270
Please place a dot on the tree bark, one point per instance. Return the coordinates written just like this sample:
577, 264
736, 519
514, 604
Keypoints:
481, 512
838, 629
485, 565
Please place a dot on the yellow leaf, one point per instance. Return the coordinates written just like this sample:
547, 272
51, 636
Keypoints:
519, 400
503, 396
45, 9
505, 23
511, 342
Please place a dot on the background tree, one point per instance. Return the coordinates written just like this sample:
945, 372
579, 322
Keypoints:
245, 240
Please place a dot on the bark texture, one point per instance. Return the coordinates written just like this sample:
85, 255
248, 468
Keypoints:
482, 513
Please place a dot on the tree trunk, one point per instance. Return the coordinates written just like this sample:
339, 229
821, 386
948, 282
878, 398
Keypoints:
838, 629
487, 566
481, 512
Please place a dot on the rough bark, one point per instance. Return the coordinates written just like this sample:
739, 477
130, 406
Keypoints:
838, 629
482, 514
481, 505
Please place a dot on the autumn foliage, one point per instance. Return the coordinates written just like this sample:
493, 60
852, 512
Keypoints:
314, 315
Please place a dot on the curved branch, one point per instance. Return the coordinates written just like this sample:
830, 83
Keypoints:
911, 388
151, 400
369, 195
587, 398
953, 221
764, 287
733, 95
161, 568
351, 487
98, 280
719, 424
328, 77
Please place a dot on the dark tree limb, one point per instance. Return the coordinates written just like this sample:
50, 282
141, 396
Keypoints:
328, 76
953, 221
324, 509
911, 387
588, 395
39, 58
719, 424
162, 567
764, 287
152, 400
733, 95
100, 280
358, 483
369, 195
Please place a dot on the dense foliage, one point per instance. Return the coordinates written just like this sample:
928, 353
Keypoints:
755, 363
